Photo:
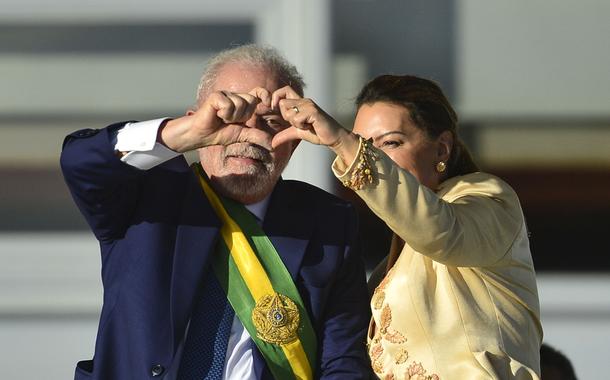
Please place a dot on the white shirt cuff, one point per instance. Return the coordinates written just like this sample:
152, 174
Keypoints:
140, 140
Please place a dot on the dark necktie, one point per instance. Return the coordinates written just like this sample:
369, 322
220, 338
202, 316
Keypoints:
205, 348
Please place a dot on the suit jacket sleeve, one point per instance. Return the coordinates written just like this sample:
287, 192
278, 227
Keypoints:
343, 349
104, 188
471, 221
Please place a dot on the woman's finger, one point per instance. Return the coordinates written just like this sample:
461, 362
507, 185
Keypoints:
295, 112
285, 92
300, 120
284, 136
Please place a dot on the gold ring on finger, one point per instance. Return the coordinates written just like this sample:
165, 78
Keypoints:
295, 109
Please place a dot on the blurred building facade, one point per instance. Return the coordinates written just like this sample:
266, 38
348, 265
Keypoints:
529, 80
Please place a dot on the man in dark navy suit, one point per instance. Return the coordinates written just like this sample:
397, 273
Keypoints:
159, 234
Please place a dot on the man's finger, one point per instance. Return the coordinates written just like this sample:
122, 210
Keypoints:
263, 94
218, 101
253, 102
221, 103
244, 106
239, 105
249, 98
251, 135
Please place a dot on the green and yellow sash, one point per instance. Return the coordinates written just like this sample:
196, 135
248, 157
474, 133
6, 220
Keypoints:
261, 291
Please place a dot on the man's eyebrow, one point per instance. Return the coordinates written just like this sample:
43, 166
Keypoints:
389, 133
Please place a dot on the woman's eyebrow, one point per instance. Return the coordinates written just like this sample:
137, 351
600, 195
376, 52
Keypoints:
388, 133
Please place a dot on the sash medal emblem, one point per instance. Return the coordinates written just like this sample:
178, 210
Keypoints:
276, 319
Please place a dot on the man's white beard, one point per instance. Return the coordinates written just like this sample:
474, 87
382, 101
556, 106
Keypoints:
258, 180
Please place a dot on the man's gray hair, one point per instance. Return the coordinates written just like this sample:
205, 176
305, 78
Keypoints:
256, 55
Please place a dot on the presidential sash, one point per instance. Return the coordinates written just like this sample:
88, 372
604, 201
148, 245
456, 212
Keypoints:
261, 291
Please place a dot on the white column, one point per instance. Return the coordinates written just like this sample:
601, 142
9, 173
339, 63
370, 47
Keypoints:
300, 29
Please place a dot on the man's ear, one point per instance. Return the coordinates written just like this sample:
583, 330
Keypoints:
445, 146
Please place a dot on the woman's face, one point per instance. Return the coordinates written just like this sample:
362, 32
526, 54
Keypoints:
393, 132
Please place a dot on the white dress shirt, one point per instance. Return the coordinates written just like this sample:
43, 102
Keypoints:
140, 140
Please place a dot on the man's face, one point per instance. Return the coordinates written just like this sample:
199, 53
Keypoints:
247, 172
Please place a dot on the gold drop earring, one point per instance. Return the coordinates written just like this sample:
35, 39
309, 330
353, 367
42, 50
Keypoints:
441, 167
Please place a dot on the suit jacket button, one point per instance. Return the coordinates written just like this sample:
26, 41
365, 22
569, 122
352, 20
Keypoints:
157, 370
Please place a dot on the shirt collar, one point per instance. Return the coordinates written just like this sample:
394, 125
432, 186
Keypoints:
259, 209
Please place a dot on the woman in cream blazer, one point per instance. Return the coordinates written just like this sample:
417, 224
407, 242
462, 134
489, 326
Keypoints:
458, 296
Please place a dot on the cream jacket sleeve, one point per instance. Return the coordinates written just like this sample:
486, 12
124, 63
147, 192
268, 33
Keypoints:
471, 220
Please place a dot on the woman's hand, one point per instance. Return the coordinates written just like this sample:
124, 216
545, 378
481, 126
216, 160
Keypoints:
310, 123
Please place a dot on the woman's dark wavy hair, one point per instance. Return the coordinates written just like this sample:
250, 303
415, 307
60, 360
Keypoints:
429, 109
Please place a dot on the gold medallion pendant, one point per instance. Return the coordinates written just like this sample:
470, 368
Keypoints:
276, 319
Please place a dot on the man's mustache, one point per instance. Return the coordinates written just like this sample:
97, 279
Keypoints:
248, 150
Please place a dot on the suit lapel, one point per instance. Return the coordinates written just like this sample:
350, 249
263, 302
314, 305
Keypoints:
196, 237
289, 225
